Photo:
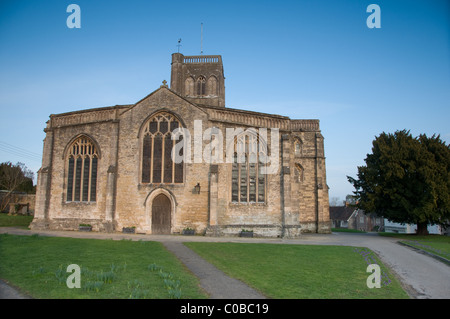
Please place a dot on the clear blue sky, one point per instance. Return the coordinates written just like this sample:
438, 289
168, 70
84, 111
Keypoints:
303, 59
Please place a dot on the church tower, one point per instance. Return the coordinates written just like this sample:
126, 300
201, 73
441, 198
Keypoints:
199, 78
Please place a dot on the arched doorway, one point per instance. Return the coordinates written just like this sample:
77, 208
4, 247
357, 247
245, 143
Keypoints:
161, 215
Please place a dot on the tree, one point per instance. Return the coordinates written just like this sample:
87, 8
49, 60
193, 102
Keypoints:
335, 201
406, 179
14, 178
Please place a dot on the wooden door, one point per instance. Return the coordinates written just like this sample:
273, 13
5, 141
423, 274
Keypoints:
161, 215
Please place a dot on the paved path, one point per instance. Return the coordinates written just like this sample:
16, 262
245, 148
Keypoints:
9, 292
421, 275
215, 282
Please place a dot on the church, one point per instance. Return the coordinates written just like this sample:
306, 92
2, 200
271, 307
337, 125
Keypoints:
179, 160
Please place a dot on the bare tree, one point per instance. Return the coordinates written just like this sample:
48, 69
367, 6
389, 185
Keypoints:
335, 201
13, 178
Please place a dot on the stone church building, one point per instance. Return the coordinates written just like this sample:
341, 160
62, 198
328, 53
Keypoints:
179, 159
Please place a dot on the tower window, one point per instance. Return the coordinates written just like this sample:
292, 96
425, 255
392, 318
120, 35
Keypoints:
189, 86
298, 145
211, 86
201, 86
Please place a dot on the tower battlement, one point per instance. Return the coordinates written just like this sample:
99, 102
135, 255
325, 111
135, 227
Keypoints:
203, 59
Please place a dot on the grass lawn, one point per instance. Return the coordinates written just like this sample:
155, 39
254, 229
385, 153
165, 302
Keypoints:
15, 220
436, 244
109, 269
301, 271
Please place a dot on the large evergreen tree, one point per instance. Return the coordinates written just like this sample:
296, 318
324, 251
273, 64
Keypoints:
406, 179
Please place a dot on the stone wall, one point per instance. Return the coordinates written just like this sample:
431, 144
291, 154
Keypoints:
19, 203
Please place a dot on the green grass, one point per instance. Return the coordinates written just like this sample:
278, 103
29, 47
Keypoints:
15, 220
435, 244
300, 271
109, 269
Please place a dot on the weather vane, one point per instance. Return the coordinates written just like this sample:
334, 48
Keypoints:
179, 45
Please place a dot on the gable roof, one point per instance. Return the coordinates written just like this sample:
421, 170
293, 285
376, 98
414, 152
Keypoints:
164, 87
341, 212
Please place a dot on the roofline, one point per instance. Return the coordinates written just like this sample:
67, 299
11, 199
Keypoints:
277, 116
93, 110
127, 107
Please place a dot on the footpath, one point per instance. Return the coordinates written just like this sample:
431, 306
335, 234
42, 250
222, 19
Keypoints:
212, 280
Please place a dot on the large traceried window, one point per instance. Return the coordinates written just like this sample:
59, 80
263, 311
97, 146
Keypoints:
157, 144
248, 175
82, 171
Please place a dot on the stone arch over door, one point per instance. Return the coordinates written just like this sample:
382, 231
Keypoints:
160, 211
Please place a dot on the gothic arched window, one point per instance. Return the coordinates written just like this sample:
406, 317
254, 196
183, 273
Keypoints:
211, 86
298, 146
82, 161
201, 86
157, 144
247, 176
189, 86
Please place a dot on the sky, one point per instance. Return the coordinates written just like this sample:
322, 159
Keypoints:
311, 59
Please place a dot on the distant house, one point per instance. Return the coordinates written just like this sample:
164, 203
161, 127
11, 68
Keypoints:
353, 218
340, 216
392, 227
367, 221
